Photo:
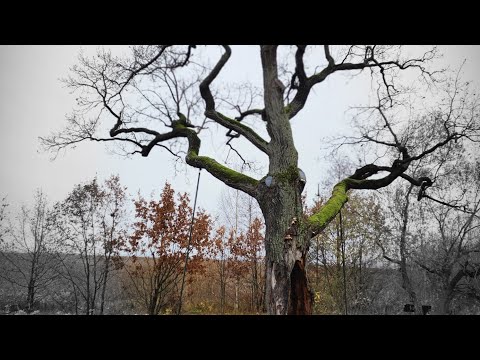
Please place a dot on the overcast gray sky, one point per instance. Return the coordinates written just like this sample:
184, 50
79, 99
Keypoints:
34, 103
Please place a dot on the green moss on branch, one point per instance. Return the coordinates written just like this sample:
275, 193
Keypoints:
223, 173
332, 207
228, 176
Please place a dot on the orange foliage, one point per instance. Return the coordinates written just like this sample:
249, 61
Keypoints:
159, 244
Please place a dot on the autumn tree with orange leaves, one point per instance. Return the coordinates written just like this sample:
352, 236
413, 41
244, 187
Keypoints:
158, 246
238, 259
247, 254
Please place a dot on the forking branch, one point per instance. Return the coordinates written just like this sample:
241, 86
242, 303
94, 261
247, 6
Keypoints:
111, 80
434, 138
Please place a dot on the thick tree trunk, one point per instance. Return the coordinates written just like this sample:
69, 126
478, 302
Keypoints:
286, 287
285, 242
286, 284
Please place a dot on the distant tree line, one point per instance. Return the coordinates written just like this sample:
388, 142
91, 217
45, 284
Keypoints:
99, 251
90, 254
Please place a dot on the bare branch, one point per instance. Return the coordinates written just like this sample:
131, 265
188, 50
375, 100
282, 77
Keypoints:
221, 119
329, 57
246, 113
370, 61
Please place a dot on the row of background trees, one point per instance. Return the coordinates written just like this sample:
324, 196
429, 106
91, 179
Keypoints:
93, 253
389, 249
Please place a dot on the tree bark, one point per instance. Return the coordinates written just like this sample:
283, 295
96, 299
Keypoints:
286, 285
285, 244
301, 297
443, 304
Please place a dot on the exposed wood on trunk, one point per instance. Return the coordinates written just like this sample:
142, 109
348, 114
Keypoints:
301, 297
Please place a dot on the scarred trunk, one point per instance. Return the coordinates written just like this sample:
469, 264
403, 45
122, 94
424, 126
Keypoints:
301, 297
279, 196
286, 246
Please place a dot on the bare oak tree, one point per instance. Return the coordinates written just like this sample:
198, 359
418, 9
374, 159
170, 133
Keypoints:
451, 249
163, 78
89, 226
400, 240
28, 253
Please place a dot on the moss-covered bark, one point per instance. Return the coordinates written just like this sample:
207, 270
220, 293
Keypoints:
230, 177
221, 172
318, 221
